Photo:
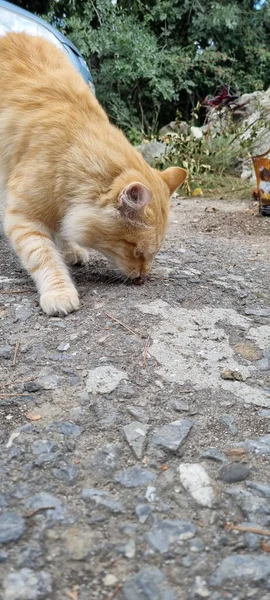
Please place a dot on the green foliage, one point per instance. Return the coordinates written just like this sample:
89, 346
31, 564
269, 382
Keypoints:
150, 58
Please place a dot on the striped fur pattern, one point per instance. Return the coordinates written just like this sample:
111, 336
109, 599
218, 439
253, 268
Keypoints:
69, 179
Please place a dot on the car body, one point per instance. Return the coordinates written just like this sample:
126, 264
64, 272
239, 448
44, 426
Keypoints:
14, 18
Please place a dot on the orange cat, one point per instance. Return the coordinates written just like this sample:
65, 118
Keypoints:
69, 179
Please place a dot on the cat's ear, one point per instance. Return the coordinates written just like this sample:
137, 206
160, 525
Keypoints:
134, 197
174, 177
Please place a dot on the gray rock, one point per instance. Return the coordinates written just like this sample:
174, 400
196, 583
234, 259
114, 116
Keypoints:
172, 435
27, 585
32, 386
152, 151
264, 412
3, 502
104, 461
135, 477
165, 533
29, 556
138, 413
48, 381
65, 428
104, 379
12, 527
143, 512
258, 312
254, 508
148, 584
228, 422
245, 568
5, 352
63, 347
101, 498
263, 488
135, 434
263, 364
50, 506
22, 313
179, 405
200, 589
214, 454
197, 545
196, 481
67, 474
234, 472
259, 446
46, 457
3, 556
43, 446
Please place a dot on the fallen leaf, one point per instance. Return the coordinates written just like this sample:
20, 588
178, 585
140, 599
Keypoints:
164, 467
236, 451
197, 192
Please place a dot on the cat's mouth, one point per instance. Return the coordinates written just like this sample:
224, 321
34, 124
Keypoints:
139, 280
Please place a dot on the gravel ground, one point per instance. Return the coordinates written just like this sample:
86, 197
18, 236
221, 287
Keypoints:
135, 438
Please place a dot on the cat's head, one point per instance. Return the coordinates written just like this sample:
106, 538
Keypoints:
129, 222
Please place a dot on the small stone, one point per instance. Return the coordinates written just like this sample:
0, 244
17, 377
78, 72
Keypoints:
67, 474
65, 428
179, 405
234, 472
22, 313
231, 375
12, 527
251, 540
263, 364
63, 347
248, 351
31, 386
196, 481
130, 549
79, 542
148, 584
46, 457
258, 312
143, 512
43, 446
50, 505
165, 533
150, 493
242, 568
264, 412
254, 508
109, 580
5, 352
28, 557
104, 379
259, 446
104, 461
214, 454
228, 422
3, 556
263, 488
135, 477
200, 589
99, 497
172, 435
135, 434
26, 584
197, 545
138, 413
49, 381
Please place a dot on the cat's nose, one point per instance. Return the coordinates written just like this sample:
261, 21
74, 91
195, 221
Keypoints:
139, 280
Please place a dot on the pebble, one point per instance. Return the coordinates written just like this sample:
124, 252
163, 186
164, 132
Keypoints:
104, 379
12, 527
31, 386
148, 584
3, 556
99, 497
248, 351
234, 472
104, 461
46, 457
109, 580
197, 545
5, 352
228, 422
43, 446
200, 589
138, 413
42, 500
214, 454
49, 381
254, 508
26, 584
165, 533
196, 481
263, 364
259, 446
135, 434
135, 477
143, 512
63, 347
22, 313
242, 568
179, 405
264, 412
67, 474
172, 435
65, 428
130, 549
258, 312
263, 488
28, 556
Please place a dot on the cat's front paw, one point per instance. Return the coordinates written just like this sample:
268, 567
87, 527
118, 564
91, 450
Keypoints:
75, 255
60, 302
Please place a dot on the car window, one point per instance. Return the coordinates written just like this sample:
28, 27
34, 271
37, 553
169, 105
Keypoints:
11, 21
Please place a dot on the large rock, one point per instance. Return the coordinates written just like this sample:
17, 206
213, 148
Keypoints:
152, 151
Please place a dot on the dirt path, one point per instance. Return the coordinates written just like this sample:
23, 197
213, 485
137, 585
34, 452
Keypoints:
134, 431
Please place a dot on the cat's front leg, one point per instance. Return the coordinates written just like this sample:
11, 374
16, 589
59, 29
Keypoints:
72, 253
40, 256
